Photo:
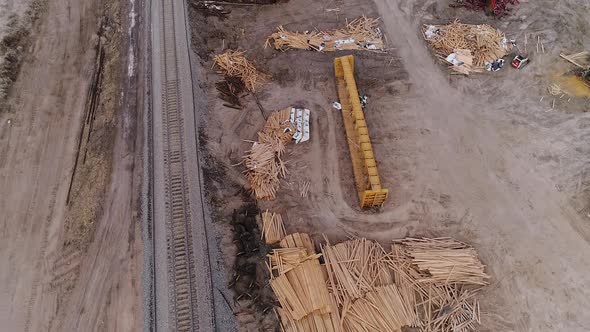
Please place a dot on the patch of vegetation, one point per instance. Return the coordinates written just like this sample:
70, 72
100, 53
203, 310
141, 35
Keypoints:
13, 45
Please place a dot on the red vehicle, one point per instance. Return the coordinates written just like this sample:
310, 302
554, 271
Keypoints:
519, 61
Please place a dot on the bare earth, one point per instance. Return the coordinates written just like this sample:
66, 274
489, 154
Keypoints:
49, 279
482, 159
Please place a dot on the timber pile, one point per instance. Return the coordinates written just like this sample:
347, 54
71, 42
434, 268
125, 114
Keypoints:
273, 229
485, 43
264, 166
299, 283
361, 34
298, 240
383, 309
354, 268
234, 64
446, 261
366, 288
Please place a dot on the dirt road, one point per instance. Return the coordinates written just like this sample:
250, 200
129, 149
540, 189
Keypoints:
474, 153
47, 282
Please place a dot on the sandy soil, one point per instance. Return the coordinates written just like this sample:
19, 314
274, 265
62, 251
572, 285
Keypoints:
482, 159
76, 267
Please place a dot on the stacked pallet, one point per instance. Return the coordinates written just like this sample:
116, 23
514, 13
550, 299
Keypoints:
361, 34
234, 64
264, 166
485, 43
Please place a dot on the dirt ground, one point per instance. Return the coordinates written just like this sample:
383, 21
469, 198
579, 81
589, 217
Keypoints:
76, 266
486, 159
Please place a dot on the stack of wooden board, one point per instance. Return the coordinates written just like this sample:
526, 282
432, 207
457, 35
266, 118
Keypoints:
361, 287
361, 34
485, 43
264, 166
354, 268
234, 64
299, 284
445, 260
382, 309
298, 240
273, 229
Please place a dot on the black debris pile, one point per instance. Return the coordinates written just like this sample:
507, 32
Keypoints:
250, 278
230, 90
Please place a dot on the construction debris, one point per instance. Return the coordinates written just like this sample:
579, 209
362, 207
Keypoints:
361, 34
263, 162
230, 90
484, 43
264, 166
273, 229
430, 284
581, 59
498, 8
209, 8
234, 64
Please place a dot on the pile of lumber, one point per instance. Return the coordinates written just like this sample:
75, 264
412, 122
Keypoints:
234, 64
485, 43
382, 309
264, 166
445, 260
298, 240
361, 34
580, 59
299, 283
273, 229
354, 268
461, 61
430, 284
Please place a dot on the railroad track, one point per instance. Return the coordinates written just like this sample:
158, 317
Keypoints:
183, 285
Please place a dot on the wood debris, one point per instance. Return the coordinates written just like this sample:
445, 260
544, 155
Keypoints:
580, 59
264, 166
382, 309
361, 34
354, 268
485, 43
446, 261
273, 229
369, 289
304, 189
234, 64
298, 240
299, 282
230, 90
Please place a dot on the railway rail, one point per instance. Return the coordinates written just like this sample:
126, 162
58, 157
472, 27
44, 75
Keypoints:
182, 298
